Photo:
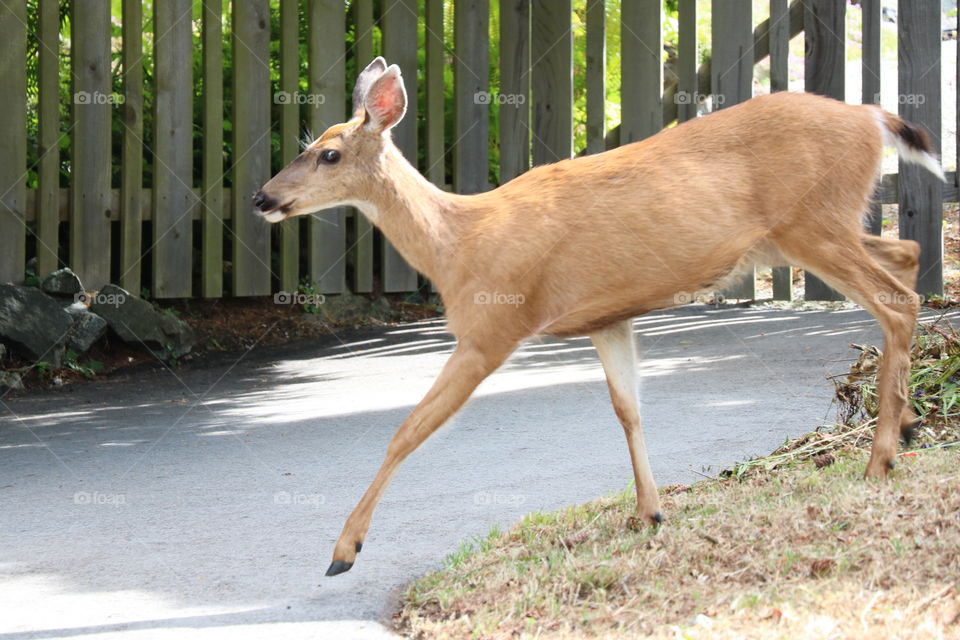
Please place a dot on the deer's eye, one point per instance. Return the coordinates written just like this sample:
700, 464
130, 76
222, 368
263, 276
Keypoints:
329, 156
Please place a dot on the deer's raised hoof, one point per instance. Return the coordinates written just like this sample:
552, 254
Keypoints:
657, 518
906, 432
337, 567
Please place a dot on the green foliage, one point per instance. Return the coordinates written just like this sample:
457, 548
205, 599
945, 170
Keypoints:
88, 369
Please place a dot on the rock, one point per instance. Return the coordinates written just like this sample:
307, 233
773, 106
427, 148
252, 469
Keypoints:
348, 308
136, 321
87, 328
33, 324
10, 381
62, 282
3, 352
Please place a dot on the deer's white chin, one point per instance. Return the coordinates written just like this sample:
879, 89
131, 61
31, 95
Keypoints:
274, 216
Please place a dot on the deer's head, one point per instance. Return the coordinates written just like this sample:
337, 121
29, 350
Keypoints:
337, 168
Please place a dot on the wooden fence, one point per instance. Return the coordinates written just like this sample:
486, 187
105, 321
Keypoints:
191, 232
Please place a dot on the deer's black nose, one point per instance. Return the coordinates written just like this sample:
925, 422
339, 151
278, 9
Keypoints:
264, 202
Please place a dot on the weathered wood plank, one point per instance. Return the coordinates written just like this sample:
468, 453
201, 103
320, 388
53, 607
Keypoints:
687, 95
90, 158
596, 75
13, 140
289, 139
921, 193
251, 145
731, 72
471, 92
399, 21
362, 253
434, 90
172, 250
824, 67
215, 207
641, 69
48, 171
514, 99
870, 68
326, 72
779, 37
551, 49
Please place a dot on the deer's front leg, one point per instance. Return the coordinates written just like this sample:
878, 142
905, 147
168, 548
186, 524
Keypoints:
469, 364
617, 353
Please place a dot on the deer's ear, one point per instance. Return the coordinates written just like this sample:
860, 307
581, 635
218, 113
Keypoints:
386, 101
373, 71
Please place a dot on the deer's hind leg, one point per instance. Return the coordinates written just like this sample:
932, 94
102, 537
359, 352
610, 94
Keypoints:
844, 261
616, 348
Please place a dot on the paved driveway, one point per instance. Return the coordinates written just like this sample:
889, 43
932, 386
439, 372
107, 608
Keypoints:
205, 503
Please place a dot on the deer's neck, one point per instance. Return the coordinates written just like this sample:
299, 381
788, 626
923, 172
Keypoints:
420, 220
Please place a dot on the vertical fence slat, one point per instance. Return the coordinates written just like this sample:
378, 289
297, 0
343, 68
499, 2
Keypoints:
471, 79
688, 92
173, 197
90, 158
433, 27
363, 245
779, 36
251, 145
13, 140
870, 71
641, 69
289, 140
551, 50
131, 170
327, 75
731, 71
596, 75
824, 67
921, 194
213, 203
514, 105
399, 23
48, 172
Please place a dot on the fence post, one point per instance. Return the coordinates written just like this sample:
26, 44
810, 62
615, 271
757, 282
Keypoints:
779, 38
824, 25
289, 138
48, 172
731, 70
471, 79
251, 145
870, 94
641, 74
364, 231
687, 61
514, 83
399, 21
173, 198
213, 193
921, 193
131, 169
551, 50
596, 75
90, 158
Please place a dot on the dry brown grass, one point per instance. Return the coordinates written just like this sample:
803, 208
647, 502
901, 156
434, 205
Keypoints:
792, 545
800, 553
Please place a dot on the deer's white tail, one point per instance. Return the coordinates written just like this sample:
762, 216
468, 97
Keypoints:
911, 141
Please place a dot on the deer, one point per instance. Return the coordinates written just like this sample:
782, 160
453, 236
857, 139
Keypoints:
586, 244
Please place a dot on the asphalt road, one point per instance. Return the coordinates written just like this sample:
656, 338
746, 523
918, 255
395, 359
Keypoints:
205, 503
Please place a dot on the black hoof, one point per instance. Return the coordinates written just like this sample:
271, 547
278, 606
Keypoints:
891, 465
338, 567
907, 432
359, 547
658, 517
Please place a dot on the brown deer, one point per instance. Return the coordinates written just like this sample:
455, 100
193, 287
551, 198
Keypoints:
582, 246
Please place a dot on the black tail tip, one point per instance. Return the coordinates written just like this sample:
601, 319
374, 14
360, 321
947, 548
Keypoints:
338, 567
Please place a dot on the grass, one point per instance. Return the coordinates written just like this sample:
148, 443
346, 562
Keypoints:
793, 545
